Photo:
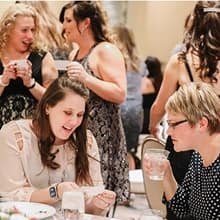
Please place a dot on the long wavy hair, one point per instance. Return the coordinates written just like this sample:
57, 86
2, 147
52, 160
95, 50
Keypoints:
8, 20
97, 15
203, 37
55, 93
126, 42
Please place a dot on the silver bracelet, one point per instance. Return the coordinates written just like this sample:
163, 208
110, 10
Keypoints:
1, 83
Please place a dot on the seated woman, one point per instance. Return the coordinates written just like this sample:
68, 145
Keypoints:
53, 152
194, 124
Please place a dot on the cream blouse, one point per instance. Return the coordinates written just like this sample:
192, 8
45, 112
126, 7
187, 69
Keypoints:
21, 169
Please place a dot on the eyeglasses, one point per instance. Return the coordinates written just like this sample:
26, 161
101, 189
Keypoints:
174, 124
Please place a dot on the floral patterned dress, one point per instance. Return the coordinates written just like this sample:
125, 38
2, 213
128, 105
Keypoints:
106, 125
16, 101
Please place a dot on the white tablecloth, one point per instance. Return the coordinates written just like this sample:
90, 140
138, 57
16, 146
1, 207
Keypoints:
84, 217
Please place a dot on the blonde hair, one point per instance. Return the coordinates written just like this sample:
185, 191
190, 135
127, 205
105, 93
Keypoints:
196, 100
8, 20
50, 31
125, 39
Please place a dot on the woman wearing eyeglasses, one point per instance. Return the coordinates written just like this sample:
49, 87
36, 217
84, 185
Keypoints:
194, 124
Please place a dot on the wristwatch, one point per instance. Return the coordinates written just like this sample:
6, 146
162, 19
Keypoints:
53, 191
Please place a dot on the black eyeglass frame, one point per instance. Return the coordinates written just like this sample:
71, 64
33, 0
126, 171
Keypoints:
174, 124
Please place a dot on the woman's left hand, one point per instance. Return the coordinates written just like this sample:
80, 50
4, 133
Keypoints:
104, 200
76, 70
25, 74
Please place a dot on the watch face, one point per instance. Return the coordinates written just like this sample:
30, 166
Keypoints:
52, 191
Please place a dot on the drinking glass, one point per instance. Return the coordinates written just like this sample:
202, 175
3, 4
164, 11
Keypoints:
156, 157
73, 205
22, 64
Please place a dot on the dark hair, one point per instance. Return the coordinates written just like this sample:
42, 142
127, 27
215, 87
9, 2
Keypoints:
204, 37
94, 11
55, 93
155, 73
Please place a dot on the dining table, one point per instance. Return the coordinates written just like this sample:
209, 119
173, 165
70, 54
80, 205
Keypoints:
83, 217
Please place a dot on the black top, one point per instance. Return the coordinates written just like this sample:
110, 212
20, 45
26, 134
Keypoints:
16, 86
199, 195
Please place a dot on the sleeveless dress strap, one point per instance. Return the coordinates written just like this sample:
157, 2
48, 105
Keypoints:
188, 70
90, 50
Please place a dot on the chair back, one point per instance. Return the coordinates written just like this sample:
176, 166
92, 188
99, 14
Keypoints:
153, 189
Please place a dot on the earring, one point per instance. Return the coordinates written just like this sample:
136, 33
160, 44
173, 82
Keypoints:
82, 31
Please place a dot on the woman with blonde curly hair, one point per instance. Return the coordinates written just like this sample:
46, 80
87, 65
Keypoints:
26, 70
100, 65
50, 30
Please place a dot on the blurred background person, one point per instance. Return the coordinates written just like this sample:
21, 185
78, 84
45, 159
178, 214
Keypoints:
131, 109
21, 88
100, 65
150, 86
200, 62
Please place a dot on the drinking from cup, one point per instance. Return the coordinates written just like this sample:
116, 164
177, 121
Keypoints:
72, 205
156, 158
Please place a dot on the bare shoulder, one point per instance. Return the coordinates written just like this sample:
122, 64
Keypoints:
106, 49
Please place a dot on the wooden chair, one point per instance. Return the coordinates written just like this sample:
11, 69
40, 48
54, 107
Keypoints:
153, 189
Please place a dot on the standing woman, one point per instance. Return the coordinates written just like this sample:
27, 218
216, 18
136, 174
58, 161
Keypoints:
21, 88
100, 65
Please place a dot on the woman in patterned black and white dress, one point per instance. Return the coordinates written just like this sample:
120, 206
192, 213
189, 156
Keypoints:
100, 65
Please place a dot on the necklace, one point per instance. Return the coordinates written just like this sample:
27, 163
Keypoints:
58, 175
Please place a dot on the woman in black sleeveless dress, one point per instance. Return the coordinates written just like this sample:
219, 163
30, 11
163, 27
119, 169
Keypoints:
20, 89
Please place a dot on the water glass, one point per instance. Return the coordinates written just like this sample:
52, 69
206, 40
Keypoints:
73, 205
157, 158
22, 64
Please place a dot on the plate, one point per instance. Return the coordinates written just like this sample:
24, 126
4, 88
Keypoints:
31, 209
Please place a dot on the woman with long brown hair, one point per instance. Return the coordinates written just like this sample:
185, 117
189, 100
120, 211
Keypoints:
54, 152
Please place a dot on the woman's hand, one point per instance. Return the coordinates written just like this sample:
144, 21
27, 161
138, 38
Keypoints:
65, 187
9, 73
104, 200
25, 73
76, 70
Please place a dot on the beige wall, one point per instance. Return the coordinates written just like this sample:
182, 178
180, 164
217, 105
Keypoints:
158, 25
